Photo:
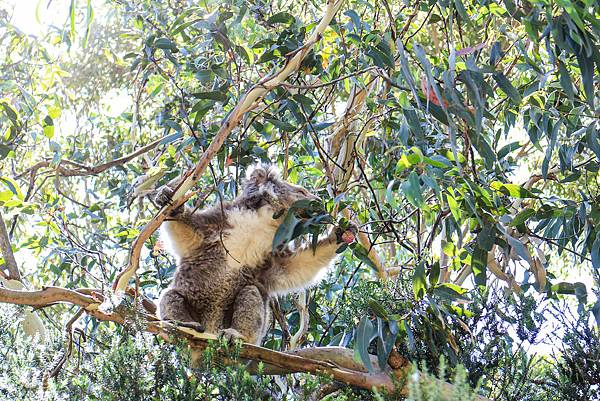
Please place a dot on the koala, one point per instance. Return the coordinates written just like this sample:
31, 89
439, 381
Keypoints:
226, 270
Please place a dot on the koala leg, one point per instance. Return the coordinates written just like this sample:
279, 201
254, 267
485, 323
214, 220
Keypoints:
249, 316
174, 307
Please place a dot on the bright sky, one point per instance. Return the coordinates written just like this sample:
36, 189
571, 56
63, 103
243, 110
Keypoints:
24, 14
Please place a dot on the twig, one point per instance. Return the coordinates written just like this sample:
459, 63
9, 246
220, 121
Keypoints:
69, 346
7, 253
79, 170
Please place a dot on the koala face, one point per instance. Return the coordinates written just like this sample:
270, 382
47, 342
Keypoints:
264, 181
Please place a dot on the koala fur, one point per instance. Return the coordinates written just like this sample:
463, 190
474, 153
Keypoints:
226, 271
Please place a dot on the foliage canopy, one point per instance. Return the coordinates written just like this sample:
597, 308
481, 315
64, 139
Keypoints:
460, 136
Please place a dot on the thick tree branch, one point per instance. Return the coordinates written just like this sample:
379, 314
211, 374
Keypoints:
248, 102
48, 296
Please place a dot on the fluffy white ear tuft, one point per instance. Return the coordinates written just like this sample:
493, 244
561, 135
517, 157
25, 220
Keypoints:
259, 173
256, 173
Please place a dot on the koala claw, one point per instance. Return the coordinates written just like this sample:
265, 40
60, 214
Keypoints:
231, 335
191, 325
164, 196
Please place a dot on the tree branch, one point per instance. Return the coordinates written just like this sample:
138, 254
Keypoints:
79, 170
48, 296
7, 253
342, 147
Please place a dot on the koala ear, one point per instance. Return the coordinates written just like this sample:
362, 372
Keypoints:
273, 172
256, 174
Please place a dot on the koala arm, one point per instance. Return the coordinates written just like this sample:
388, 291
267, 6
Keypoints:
301, 268
185, 229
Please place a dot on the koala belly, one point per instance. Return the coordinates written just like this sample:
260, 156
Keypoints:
210, 290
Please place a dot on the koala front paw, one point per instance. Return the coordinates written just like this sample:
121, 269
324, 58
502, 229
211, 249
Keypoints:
231, 335
164, 196
346, 235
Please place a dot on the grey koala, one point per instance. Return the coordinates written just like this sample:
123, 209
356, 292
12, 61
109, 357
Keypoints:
226, 271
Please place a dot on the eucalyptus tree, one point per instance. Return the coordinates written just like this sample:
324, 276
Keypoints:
461, 137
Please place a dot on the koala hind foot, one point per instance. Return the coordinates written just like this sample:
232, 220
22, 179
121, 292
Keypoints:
231, 335
190, 325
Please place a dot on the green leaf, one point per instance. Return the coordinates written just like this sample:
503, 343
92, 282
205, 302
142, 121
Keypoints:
200, 109
522, 217
586, 65
453, 204
507, 88
354, 17
479, 265
363, 255
437, 161
48, 126
173, 125
595, 252
451, 292
378, 309
89, 18
514, 190
486, 237
578, 289
571, 9
321, 126
507, 149
364, 333
434, 273
4, 151
283, 125
6, 195
281, 18
409, 335
13, 186
285, 231
592, 139
484, 149
519, 248
72, 17
11, 113
387, 334
212, 95
419, 281
565, 81
596, 312
550, 148
165, 43
412, 190
380, 59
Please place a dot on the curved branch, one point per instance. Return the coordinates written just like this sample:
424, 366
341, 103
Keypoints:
47, 296
80, 170
339, 356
